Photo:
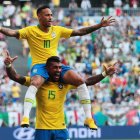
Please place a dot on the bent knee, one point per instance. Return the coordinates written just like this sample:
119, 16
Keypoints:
37, 81
79, 81
73, 78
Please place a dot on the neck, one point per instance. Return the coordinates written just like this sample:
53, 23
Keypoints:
44, 29
51, 80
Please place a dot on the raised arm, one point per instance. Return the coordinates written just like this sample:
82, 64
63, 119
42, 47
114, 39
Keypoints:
83, 31
109, 71
11, 72
9, 32
94, 79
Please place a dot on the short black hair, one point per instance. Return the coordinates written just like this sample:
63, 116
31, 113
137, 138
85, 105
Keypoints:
41, 8
52, 59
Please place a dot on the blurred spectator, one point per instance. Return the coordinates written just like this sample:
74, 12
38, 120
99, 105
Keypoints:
10, 107
2, 71
134, 3
3, 97
117, 3
25, 47
13, 115
118, 11
17, 21
126, 6
6, 86
23, 17
4, 120
73, 5
85, 4
27, 7
60, 14
105, 9
56, 3
1, 12
15, 89
9, 10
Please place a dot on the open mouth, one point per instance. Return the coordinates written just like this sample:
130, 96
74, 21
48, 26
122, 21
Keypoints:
57, 75
49, 22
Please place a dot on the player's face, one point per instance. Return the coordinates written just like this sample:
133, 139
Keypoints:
54, 71
45, 17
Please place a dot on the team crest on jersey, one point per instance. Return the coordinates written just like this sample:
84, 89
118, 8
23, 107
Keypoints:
34, 70
60, 86
53, 34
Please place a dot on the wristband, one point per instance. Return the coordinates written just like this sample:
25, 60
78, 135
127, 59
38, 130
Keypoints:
104, 74
8, 66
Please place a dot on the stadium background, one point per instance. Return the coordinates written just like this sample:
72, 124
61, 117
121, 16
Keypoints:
115, 100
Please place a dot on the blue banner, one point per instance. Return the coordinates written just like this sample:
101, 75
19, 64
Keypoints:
106, 132
76, 133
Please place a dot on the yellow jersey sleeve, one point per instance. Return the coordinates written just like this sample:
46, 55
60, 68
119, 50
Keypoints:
65, 32
23, 33
28, 81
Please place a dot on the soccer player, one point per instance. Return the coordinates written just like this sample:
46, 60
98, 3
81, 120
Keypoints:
50, 122
43, 41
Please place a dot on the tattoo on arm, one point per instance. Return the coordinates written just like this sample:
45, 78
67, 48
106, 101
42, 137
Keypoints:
94, 79
14, 76
86, 30
9, 32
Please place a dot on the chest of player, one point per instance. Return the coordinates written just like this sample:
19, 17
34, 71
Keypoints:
45, 40
57, 91
54, 92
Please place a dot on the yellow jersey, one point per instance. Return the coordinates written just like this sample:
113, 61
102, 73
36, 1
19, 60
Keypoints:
43, 45
50, 100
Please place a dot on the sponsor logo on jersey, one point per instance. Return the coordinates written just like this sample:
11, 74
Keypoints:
34, 70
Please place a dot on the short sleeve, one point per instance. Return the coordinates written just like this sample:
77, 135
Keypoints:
66, 32
23, 33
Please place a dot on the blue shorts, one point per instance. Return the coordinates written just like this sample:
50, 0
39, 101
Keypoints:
40, 69
41, 134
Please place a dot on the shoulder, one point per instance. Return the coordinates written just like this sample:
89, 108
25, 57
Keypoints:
31, 27
58, 27
28, 28
69, 87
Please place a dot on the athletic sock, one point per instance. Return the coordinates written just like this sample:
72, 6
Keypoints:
29, 100
85, 99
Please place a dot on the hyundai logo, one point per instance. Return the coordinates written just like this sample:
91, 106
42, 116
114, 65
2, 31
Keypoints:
24, 133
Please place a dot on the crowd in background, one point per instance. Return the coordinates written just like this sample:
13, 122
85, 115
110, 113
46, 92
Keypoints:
116, 99
10, 105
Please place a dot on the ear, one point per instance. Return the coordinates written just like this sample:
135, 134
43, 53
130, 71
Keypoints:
39, 16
